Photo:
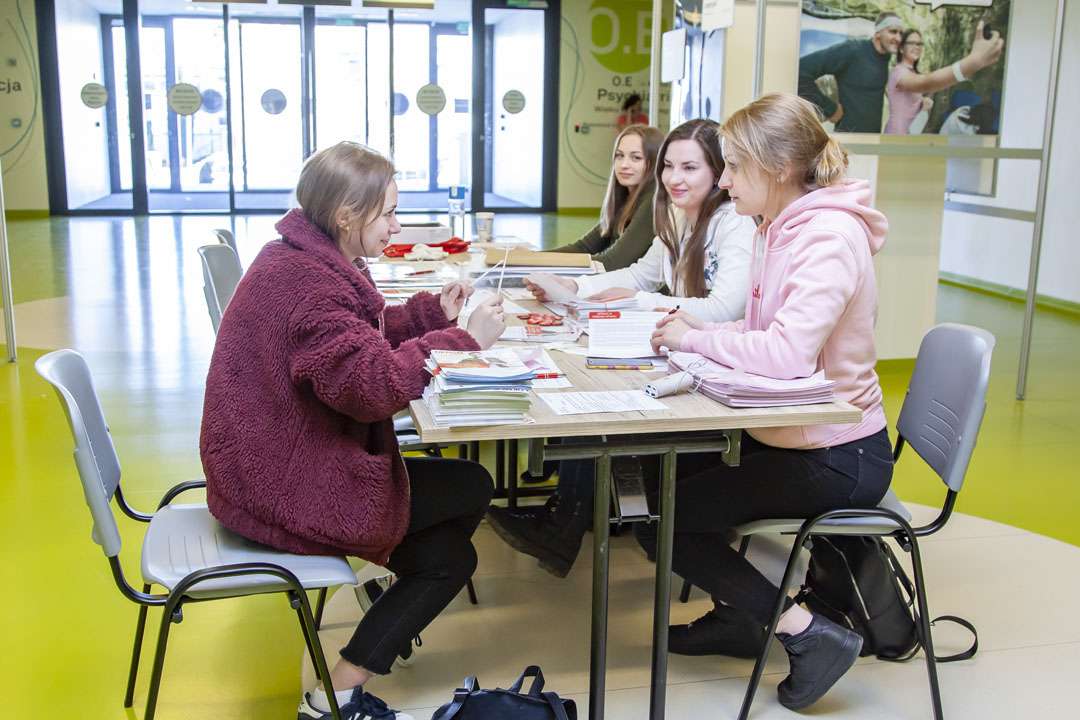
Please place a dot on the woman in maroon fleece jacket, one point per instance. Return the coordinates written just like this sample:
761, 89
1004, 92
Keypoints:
298, 441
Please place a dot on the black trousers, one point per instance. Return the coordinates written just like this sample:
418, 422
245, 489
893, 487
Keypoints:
435, 559
769, 482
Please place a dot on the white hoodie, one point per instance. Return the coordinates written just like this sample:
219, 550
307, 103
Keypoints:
727, 270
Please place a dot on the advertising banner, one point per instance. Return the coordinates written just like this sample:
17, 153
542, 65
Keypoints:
905, 66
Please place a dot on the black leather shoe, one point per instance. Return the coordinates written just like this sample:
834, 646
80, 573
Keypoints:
552, 536
819, 656
721, 631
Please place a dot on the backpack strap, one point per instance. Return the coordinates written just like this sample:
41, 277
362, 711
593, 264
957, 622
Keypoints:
556, 704
537, 683
909, 589
470, 686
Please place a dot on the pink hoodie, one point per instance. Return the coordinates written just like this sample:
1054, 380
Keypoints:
812, 305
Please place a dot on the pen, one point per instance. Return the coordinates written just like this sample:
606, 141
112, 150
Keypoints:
673, 310
420, 272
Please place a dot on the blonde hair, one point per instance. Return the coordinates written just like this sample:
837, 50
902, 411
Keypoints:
688, 261
347, 175
620, 202
781, 132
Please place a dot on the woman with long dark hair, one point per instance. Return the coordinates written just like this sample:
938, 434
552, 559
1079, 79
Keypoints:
701, 251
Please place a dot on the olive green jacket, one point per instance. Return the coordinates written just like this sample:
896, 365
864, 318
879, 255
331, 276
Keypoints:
624, 250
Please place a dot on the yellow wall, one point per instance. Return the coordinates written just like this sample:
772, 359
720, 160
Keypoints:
22, 138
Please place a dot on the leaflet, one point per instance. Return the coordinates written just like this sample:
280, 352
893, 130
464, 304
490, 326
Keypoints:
622, 334
605, 401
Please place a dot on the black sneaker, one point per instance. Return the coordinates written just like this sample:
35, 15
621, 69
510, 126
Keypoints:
361, 706
721, 631
367, 593
552, 535
819, 656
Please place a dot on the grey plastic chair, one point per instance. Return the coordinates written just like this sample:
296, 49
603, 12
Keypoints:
185, 550
221, 273
940, 420
227, 237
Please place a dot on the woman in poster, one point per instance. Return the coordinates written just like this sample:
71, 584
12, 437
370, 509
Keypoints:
904, 106
909, 84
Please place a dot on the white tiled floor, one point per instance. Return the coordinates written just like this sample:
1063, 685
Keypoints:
1018, 588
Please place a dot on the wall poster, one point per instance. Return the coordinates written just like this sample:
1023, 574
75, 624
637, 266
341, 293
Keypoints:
905, 66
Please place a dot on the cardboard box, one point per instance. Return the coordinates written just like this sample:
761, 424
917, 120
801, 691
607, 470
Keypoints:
429, 233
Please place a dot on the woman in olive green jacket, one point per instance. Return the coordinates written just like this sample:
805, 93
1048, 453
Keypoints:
625, 231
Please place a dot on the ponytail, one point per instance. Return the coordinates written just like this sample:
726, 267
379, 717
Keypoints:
830, 165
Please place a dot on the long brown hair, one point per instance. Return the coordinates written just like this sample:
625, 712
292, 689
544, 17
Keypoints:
688, 275
621, 202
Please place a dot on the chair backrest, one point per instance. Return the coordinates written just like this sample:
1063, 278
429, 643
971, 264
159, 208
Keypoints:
221, 273
95, 455
227, 237
946, 398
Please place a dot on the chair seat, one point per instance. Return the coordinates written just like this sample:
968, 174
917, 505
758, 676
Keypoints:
184, 538
872, 525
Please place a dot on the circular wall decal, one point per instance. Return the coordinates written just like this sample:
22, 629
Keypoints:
212, 101
94, 95
184, 99
431, 99
513, 102
273, 101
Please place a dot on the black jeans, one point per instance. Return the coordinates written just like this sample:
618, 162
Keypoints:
435, 559
711, 498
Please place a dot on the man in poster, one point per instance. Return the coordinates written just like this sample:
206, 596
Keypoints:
861, 69
953, 51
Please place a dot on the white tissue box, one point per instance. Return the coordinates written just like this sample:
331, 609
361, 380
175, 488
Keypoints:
430, 233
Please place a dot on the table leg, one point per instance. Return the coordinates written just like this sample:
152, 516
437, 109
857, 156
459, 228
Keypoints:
601, 532
662, 604
511, 474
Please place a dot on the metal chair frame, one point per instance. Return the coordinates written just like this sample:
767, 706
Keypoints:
99, 471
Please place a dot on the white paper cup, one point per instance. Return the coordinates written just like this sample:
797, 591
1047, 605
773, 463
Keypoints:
484, 221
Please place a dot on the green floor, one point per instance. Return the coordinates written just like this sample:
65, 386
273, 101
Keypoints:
129, 294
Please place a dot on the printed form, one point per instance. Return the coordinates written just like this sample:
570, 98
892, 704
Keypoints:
579, 403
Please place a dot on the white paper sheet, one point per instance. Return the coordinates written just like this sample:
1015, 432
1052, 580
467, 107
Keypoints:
579, 403
627, 336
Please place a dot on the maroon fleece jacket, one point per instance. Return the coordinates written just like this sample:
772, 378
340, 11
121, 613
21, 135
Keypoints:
297, 439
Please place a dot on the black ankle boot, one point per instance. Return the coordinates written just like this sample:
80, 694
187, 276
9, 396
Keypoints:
552, 536
819, 656
721, 631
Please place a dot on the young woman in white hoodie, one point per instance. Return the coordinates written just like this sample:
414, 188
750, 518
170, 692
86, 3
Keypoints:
701, 252
701, 255
811, 306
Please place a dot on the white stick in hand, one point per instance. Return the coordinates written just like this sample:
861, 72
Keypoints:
506, 257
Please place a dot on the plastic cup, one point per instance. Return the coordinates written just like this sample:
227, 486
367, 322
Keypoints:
484, 221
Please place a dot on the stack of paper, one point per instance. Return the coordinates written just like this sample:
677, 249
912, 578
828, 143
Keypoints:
482, 387
739, 388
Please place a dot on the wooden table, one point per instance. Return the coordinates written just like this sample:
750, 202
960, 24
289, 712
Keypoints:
690, 423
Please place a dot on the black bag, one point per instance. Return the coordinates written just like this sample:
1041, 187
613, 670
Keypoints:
859, 584
472, 703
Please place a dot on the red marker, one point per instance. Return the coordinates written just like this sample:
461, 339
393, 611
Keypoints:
673, 310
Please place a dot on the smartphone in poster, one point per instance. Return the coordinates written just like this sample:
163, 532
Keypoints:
905, 66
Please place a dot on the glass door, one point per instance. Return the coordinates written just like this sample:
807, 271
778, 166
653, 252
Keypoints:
515, 125
268, 107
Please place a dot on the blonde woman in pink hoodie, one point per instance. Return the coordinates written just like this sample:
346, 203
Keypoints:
811, 305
